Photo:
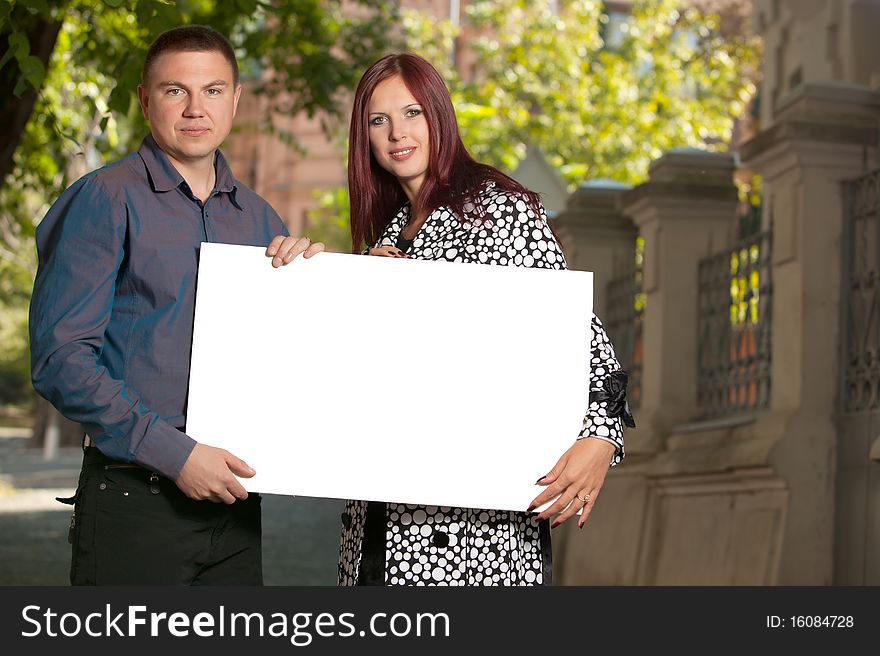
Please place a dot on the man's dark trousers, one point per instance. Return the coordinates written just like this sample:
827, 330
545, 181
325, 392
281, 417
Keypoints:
134, 527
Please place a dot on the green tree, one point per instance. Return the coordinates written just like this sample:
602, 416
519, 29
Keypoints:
600, 103
312, 47
599, 100
328, 222
71, 68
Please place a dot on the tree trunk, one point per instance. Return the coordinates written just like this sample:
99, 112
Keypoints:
70, 433
42, 33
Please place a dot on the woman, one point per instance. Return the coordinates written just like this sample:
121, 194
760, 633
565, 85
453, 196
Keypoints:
416, 192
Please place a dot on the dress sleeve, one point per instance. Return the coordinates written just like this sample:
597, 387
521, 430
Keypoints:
537, 246
606, 413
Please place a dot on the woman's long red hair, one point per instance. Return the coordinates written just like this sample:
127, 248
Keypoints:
453, 179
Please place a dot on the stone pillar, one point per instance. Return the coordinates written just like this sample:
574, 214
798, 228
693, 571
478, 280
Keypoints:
823, 133
596, 236
685, 212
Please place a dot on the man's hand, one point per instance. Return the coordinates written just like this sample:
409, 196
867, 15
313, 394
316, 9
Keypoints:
283, 250
208, 475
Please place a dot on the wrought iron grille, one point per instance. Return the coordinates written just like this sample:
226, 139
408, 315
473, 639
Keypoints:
734, 328
623, 323
861, 198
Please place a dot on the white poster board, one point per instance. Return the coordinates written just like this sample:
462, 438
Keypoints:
385, 379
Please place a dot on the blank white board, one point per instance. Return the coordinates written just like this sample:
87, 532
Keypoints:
385, 379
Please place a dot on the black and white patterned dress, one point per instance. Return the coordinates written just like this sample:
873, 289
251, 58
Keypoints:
396, 544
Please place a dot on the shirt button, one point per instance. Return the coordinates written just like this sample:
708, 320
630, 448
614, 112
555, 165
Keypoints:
346, 520
440, 539
102, 486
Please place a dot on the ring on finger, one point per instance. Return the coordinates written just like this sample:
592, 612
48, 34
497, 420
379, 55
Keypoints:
583, 499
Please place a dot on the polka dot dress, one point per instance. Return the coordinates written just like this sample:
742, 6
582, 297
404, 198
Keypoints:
434, 545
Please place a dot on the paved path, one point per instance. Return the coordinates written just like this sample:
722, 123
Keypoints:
300, 535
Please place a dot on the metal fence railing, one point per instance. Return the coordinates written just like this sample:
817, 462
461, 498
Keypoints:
734, 321
623, 323
861, 257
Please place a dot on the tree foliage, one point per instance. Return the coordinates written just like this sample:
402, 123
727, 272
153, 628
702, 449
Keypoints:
313, 49
602, 96
71, 69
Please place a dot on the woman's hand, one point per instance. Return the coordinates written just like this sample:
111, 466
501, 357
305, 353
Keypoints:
283, 250
387, 251
576, 479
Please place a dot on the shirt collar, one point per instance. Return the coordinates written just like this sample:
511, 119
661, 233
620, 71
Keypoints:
225, 181
164, 177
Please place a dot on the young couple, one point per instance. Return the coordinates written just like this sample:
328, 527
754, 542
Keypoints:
112, 315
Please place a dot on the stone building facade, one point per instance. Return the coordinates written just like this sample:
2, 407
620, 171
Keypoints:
756, 457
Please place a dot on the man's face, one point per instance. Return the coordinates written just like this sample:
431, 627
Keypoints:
190, 99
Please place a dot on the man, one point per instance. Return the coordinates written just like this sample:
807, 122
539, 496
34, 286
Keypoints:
111, 322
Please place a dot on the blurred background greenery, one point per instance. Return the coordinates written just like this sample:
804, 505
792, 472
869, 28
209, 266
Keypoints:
600, 88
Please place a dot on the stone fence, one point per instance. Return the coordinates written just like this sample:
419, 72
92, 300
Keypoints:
734, 346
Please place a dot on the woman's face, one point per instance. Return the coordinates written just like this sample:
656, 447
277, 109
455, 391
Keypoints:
399, 134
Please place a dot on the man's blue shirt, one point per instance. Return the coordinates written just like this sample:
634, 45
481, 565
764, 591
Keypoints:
111, 316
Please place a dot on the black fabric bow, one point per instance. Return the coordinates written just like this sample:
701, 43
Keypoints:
614, 393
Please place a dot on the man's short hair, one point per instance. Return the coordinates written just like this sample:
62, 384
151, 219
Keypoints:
190, 38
